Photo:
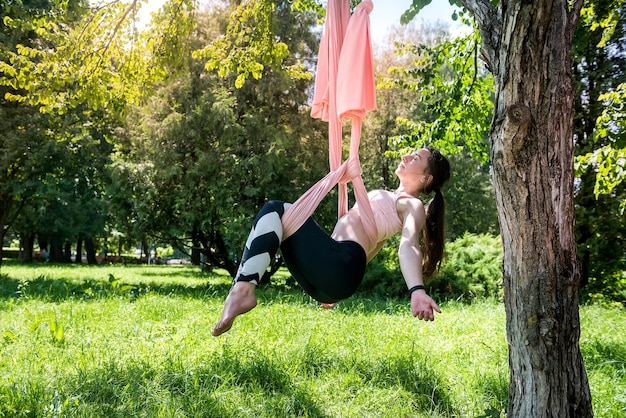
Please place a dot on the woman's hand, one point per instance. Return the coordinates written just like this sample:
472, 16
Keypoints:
423, 306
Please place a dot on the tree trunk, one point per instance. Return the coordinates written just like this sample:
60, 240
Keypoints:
1, 250
145, 249
195, 248
28, 244
56, 250
527, 46
120, 247
79, 251
67, 253
6, 203
214, 249
91, 251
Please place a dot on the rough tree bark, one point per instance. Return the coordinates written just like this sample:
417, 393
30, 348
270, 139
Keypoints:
6, 203
527, 47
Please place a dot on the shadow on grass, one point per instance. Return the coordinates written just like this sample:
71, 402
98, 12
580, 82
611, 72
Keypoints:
231, 385
607, 356
144, 270
54, 289
221, 388
414, 375
58, 282
57, 290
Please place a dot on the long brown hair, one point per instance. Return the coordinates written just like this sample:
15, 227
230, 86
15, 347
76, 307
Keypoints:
434, 234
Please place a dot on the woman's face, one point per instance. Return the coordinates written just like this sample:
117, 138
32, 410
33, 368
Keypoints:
415, 164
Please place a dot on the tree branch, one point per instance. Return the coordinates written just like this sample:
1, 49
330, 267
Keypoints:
487, 19
120, 21
574, 13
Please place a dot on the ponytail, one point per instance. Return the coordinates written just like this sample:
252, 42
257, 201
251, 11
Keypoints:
434, 234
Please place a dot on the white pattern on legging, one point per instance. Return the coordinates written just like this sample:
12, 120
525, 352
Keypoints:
269, 222
258, 263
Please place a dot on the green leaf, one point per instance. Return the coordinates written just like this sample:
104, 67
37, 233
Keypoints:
59, 334
413, 10
8, 336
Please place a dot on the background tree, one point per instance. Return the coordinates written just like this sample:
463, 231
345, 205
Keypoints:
600, 73
381, 128
216, 153
68, 206
78, 66
419, 57
61, 194
25, 133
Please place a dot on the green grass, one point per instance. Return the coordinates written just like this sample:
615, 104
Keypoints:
117, 341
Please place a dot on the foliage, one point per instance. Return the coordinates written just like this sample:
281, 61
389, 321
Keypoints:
68, 202
25, 146
383, 277
600, 74
130, 194
418, 5
600, 18
69, 65
470, 202
89, 55
470, 199
250, 43
607, 288
471, 269
313, 5
206, 156
167, 41
153, 355
48, 76
379, 157
455, 94
608, 162
601, 245
34, 144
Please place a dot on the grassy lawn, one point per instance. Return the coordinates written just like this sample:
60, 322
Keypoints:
135, 341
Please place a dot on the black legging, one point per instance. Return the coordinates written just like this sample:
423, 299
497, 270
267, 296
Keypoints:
327, 270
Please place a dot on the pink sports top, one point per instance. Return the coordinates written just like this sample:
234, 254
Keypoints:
383, 203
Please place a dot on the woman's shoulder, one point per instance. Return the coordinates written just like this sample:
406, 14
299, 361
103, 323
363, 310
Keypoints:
410, 205
391, 194
405, 195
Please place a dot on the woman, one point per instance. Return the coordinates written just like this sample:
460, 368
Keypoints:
331, 267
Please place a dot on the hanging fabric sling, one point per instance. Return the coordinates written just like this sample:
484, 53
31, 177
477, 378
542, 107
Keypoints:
344, 88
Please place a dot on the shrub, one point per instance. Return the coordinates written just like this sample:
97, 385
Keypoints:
472, 268
611, 288
383, 277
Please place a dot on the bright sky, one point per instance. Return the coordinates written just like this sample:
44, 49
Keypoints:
386, 14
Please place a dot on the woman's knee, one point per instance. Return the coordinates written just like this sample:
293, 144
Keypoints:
277, 206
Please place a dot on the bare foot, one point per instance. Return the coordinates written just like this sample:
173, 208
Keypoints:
329, 305
240, 300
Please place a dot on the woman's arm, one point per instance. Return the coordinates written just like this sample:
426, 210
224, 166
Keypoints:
413, 216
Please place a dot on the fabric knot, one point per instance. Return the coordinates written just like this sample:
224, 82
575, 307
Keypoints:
351, 169
368, 5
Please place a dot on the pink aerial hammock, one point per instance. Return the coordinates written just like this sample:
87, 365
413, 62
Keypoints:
344, 88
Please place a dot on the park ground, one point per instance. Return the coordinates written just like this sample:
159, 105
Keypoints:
122, 341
